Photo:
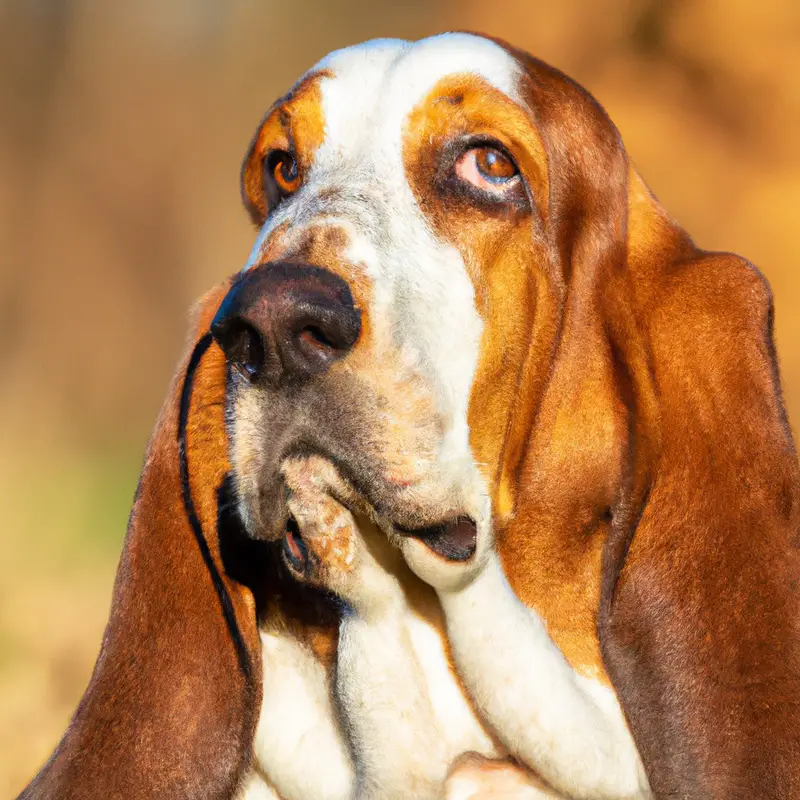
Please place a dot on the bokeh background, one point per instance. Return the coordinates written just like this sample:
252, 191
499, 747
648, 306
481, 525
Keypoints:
122, 126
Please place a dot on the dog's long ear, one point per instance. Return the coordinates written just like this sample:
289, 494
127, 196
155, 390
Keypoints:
171, 708
700, 613
661, 425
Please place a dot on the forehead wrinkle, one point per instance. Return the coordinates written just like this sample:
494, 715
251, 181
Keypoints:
367, 92
351, 190
339, 196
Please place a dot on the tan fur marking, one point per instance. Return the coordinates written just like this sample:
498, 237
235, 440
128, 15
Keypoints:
295, 124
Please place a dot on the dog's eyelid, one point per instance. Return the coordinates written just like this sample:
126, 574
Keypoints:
484, 172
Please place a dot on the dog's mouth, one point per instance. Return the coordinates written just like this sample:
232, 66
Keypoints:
323, 500
454, 540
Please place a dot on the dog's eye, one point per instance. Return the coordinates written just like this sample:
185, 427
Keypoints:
281, 175
488, 169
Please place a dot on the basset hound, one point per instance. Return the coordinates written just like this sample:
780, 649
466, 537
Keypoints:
476, 482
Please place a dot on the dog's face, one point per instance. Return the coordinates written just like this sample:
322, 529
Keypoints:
385, 314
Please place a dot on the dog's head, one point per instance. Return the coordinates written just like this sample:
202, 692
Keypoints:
416, 212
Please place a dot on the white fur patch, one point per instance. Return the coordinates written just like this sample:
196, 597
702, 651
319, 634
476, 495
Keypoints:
298, 744
255, 787
460, 727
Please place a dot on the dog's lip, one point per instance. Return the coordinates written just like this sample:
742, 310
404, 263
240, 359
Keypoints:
294, 548
455, 539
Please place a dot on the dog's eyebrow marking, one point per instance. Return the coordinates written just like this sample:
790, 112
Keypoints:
191, 513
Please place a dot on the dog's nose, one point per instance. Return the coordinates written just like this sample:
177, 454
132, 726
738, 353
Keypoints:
282, 320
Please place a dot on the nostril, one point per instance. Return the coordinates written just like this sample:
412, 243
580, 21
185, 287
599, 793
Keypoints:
315, 336
242, 345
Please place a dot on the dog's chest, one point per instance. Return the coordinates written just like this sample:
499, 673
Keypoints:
299, 750
300, 746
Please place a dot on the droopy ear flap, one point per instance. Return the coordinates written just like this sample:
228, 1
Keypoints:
700, 614
171, 708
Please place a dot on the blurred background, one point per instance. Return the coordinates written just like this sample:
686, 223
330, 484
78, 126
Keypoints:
122, 126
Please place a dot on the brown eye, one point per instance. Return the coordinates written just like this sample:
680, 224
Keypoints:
488, 169
284, 170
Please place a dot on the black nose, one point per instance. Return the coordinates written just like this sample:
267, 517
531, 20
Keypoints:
283, 320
